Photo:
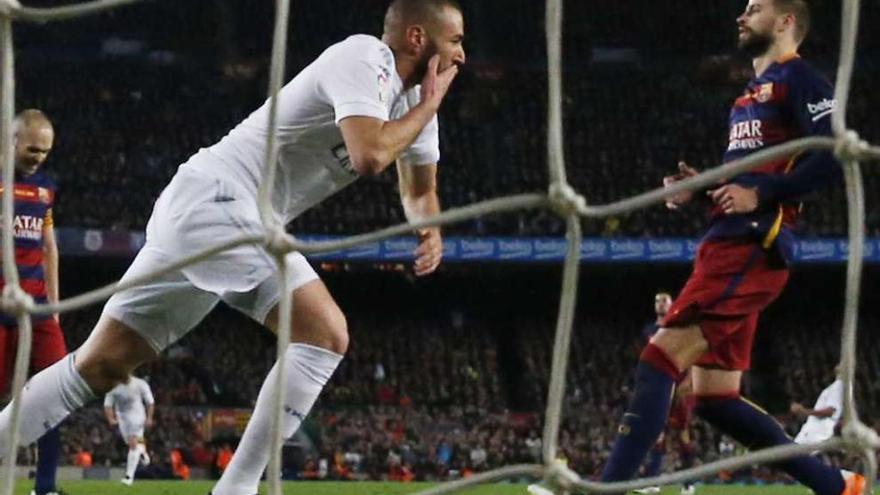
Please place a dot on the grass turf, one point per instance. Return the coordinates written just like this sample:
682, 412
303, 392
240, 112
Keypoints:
147, 487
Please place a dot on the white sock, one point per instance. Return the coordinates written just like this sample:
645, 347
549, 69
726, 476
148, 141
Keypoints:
308, 369
134, 456
49, 397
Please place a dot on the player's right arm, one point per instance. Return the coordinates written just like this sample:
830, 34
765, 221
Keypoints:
373, 144
684, 171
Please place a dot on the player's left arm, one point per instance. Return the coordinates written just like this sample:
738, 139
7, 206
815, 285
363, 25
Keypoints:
50, 258
418, 194
825, 412
151, 408
150, 402
811, 102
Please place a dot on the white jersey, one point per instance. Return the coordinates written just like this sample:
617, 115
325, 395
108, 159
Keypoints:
818, 429
128, 400
355, 77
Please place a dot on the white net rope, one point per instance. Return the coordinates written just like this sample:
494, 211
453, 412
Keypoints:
856, 437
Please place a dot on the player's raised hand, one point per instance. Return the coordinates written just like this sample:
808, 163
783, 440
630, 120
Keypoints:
430, 251
436, 83
684, 171
734, 198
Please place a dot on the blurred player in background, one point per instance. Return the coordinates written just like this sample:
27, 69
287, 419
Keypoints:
823, 418
678, 425
358, 108
742, 261
130, 405
36, 255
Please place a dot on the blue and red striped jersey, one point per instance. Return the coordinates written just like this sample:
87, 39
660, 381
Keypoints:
34, 198
790, 100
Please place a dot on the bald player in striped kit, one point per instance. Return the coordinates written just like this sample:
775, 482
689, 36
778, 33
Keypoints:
36, 256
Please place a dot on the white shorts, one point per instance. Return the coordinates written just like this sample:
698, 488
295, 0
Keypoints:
194, 212
131, 429
809, 436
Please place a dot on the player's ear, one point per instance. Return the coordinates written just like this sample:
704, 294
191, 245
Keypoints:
417, 37
788, 21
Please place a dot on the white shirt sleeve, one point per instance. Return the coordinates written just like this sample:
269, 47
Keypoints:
108, 399
147, 394
356, 78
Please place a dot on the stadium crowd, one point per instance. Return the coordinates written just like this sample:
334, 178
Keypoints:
441, 390
433, 392
632, 110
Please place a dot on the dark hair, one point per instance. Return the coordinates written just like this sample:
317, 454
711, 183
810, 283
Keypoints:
801, 12
416, 11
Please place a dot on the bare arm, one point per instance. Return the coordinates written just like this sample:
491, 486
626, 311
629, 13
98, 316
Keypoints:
418, 194
684, 172
800, 410
374, 144
826, 412
111, 415
150, 409
50, 261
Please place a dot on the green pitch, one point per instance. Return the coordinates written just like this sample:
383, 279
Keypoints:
328, 488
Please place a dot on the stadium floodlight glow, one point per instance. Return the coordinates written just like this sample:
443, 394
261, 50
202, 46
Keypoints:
857, 438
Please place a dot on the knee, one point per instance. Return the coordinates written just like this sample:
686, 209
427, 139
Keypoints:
682, 345
327, 329
336, 332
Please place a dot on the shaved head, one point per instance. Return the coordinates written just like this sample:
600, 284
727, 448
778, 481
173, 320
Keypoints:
417, 30
404, 13
801, 12
30, 119
34, 138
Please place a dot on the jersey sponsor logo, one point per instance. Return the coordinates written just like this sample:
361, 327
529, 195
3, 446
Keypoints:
746, 135
821, 108
28, 227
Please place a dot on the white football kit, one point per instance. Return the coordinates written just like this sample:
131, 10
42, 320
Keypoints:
213, 196
816, 429
128, 401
